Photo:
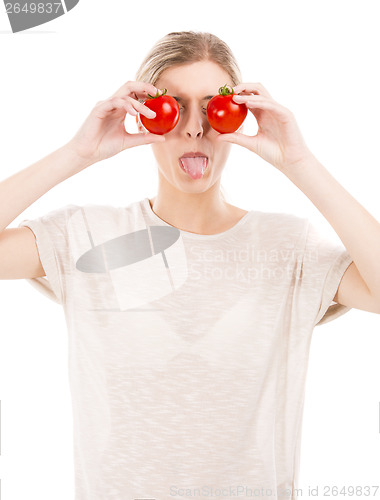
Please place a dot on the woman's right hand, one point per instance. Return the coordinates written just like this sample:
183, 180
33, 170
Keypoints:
103, 133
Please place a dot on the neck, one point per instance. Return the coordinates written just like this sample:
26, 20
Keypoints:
201, 213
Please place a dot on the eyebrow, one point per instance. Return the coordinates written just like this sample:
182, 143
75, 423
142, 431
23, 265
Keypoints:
203, 98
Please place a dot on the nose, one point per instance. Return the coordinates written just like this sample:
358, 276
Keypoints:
195, 123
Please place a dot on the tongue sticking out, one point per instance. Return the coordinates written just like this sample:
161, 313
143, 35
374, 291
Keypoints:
194, 167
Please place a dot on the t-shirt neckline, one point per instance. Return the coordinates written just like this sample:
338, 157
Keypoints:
145, 205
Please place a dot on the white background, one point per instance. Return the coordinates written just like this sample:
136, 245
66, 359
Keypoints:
319, 59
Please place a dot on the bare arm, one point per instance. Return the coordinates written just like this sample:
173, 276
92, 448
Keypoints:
22, 189
101, 136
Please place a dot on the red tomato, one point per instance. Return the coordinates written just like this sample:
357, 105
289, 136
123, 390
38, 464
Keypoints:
225, 115
167, 113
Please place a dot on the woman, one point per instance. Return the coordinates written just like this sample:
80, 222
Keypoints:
189, 319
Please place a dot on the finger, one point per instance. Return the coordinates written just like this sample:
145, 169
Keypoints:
141, 108
135, 89
145, 138
249, 88
129, 104
246, 141
135, 107
104, 108
260, 102
130, 109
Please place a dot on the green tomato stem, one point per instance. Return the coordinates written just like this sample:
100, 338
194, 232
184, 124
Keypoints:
225, 90
157, 94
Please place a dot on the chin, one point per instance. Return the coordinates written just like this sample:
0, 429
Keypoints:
191, 186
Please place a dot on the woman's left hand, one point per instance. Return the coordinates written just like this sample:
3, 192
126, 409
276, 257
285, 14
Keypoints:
278, 140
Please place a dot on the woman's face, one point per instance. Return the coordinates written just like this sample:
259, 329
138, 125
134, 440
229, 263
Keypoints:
192, 85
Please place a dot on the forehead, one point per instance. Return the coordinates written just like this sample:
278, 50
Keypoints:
200, 79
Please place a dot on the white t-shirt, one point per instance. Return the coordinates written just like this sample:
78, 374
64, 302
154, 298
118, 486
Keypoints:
188, 353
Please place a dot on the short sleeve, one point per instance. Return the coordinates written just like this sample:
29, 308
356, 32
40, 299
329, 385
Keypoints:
52, 243
323, 264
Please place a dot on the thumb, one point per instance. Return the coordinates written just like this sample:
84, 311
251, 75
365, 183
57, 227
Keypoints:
246, 141
145, 138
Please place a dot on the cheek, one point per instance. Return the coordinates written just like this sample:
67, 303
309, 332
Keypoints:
158, 149
163, 152
221, 148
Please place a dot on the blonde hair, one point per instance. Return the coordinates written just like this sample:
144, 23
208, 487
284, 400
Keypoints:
186, 47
